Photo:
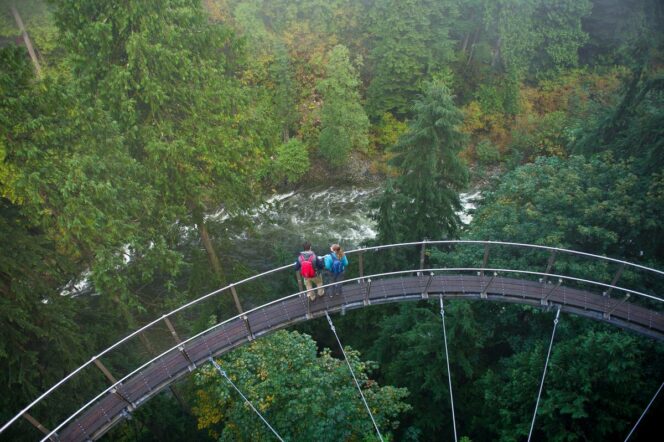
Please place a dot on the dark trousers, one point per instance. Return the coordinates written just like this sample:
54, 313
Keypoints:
331, 278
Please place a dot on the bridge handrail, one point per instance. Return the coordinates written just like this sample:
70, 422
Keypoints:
517, 244
359, 278
285, 267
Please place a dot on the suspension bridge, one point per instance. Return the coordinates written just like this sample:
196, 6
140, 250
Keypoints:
639, 311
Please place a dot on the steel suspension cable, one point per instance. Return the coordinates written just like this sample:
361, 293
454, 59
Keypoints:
644, 412
223, 373
546, 364
447, 359
334, 330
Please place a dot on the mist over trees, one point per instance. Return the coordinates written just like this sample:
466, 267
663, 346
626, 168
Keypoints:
146, 118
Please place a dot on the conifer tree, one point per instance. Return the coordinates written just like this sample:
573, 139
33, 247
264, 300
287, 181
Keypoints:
410, 40
344, 123
168, 77
425, 193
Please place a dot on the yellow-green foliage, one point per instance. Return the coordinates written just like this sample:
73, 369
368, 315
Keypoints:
387, 132
7, 177
546, 112
307, 394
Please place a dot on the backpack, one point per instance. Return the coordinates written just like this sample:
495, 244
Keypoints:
337, 266
307, 266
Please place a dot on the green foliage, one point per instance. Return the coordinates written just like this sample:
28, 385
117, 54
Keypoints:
486, 152
531, 35
71, 175
410, 39
388, 131
335, 146
634, 126
167, 76
40, 341
615, 27
291, 162
560, 24
584, 397
409, 348
344, 124
540, 136
430, 173
151, 115
38, 21
304, 396
583, 204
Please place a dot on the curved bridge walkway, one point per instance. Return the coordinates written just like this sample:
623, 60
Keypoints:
117, 402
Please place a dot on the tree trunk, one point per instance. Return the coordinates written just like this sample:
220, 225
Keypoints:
207, 244
496, 53
472, 47
27, 41
465, 43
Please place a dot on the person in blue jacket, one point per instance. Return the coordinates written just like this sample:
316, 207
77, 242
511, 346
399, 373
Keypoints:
335, 265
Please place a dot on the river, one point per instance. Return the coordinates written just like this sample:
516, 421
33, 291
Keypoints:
322, 215
271, 234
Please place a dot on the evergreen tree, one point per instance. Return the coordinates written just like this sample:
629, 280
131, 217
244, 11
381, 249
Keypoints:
425, 194
168, 76
410, 43
285, 93
344, 123
634, 128
528, 36
64, 181
599, 204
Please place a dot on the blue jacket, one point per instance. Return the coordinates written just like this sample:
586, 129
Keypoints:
329, 261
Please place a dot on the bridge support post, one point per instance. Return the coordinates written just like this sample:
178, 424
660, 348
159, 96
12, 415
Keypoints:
191, 366
485, 259
367, 292
360, 257
607, 315
236, 299
483, 294
545, 299
172, 330
36, 424
308, 301
549, 264
425, 293
300, 285
130, 405
423, 251
615, 279
176, 394
104, 370
251, 336
111, 378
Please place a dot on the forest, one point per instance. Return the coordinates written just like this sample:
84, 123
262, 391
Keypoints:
137, 137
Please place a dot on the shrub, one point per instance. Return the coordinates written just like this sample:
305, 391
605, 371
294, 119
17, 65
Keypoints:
291, 162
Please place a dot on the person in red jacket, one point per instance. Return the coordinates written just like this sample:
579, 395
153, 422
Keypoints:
309, 265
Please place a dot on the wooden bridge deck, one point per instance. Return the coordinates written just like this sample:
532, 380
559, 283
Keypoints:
110, 409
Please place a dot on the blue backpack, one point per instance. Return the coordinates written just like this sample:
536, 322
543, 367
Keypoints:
337, 266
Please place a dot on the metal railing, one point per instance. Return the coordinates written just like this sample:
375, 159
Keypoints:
423, 245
